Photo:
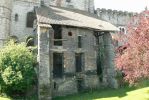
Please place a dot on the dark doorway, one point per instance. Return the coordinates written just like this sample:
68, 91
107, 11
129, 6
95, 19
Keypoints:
57, 65
79, 62
99, 61
80, 84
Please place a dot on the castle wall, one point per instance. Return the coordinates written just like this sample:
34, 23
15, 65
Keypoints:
87, 5
5, 19
21, 8
117, 18
120, 19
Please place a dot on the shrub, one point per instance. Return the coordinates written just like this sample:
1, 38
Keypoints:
120, 79
17, 74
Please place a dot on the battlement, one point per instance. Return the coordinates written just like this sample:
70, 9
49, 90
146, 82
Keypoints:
29, 1
116, 17
117, 12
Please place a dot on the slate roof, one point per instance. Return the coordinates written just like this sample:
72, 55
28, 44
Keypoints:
72, 17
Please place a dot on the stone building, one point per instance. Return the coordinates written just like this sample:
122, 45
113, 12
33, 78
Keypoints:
72, 43
68, 51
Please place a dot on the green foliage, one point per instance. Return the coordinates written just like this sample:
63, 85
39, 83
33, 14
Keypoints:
143, 83
120, 79
17, 74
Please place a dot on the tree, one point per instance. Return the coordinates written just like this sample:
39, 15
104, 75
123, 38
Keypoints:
133, 57
16, 69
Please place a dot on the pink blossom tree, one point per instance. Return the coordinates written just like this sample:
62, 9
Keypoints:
133, 57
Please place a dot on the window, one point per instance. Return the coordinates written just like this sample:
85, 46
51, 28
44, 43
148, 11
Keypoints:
79, 41
68, 0
69, 33
79, 62
57, 35
30, 41
55, 85
122, 30
30, 19
16, 17
57, 65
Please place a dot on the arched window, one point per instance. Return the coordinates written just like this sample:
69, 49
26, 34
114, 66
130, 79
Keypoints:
30, 41
16, 17
30, 19
123, 30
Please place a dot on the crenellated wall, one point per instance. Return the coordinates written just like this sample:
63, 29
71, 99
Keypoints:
117, 18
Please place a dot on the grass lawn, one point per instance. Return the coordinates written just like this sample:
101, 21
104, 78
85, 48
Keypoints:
1, 98
109, 94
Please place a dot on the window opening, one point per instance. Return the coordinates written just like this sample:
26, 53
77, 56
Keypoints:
57, 35
79, 41
79, 62
57, 65
30, 19
16, 17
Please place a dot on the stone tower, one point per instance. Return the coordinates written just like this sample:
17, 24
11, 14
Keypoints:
21, 11
87, 5
5, 19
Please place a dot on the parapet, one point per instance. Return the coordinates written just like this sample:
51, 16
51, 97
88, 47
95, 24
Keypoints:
118, 12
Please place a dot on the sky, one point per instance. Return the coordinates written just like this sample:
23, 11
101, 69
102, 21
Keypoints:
124, 5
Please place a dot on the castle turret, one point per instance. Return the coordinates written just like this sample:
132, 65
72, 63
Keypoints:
5, 18
87, 5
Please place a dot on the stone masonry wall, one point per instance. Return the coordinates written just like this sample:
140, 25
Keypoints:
117, 18
22, 7
44, 69
5, 18
87, 5
68, 84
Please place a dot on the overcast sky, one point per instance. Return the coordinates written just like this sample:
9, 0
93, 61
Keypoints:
124, 5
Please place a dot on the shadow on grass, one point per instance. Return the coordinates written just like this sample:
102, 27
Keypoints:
103, 93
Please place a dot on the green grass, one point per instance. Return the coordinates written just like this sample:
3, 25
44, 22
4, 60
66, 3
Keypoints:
107, 94
111, 94
1, 98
